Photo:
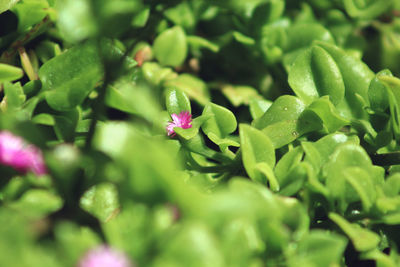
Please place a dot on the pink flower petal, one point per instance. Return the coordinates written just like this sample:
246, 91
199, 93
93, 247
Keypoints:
183, 120
23, 157
104, 256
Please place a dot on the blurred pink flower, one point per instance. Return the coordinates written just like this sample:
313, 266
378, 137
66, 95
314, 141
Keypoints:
183, 120
23, 157
104, 256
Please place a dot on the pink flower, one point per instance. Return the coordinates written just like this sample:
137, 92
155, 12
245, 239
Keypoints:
183, 120
23, 157
104, 256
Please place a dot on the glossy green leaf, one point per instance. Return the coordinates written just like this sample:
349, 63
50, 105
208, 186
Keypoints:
14, 96
300, 37
314, 74
30, 13
362, 239
71, 76
258, 107
239, 95
155, 74
101, 200
6, 4
170, 47
10, 73
182, 15
199, 42
222, 121
392, 89
195, 88
356, 76
285, 108
267, 171
347, 155
176, 101
362, 184
328, 114
319, 248
377, 92
366, 9
241, 38
256, 148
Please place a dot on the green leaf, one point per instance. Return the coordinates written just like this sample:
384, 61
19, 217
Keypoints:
241, 38
195, 88
365, 9
221, 123
356, 77
30, 13
377, 94
71, 76
74, 240
199, 42
155, 74
327, 113
362, 184
101, 201
258, 107
256, 148
181, 15
393, 94
319, 248
314, 74
37, 203
10, 73
362, 238
6, 4
285, 108
170, 47
300, 37
44, 119
82, 26
14, 96
177, 101
267, 171
239, 95
133, 99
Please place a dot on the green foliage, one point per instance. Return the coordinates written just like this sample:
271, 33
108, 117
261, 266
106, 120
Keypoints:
291, 157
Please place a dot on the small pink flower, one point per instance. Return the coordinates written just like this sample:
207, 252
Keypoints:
23, 157
183, 120
104, 256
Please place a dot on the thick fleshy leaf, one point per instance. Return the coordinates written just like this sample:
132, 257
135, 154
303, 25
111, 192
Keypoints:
325, 69
101, 201
71, 76
256, 148
365, 9
6, 4
195, 88
284, 108
170, 47
9, 73
362, 238
176, 101
222, 121
314, 74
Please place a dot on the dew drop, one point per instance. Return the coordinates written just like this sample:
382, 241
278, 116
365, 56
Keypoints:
285, 108
295, 134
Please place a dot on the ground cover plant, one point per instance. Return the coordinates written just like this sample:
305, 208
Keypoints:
199, 133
